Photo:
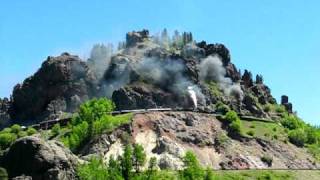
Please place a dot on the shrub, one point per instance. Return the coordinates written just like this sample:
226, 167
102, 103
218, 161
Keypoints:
192, 169
31, 131
222, 108
275, 136
22, 134
297, 137
252, 126
3, 174
312, 135
250, 133
77, 137
16, 128
292, 122
56, 130
95, 169
6, 139
235, 127
222, 140
279, 108
267, 159
268, 107
231, 116
6, 130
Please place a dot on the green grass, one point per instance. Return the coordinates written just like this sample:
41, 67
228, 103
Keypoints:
263, 130
253, 174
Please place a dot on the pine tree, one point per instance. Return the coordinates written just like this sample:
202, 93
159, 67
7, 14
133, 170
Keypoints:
126, 162
139, 157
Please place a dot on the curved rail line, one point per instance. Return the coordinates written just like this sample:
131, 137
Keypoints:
44, 125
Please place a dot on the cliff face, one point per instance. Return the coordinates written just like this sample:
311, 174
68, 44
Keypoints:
145, 73
168, 135
60, 85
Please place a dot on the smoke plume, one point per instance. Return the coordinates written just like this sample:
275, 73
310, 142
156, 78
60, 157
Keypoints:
211, 69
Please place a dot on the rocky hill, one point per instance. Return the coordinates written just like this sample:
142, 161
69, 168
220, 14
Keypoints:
146, 72
205, 91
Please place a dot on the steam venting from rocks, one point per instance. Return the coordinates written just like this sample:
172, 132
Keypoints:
212, 69
100, 58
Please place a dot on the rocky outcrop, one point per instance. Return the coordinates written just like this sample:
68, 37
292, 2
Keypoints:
140, 96
219, 49
133, 37
285, 102
60, 85
42, 160
4, 112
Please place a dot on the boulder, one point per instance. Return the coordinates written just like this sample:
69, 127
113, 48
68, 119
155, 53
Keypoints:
42, 160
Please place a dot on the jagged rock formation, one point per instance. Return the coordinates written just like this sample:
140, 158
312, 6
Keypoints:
145, 73
39, 159
285, 102
4, 112
60, 85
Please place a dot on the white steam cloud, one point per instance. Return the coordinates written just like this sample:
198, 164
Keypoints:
211, 68
193, 96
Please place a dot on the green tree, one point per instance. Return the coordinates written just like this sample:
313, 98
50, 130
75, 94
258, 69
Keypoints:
94, 110
152, 168
114, 169
139, 157
94, 170
192, 170
209, 175
126, 162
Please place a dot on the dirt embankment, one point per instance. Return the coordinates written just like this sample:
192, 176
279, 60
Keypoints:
168, 135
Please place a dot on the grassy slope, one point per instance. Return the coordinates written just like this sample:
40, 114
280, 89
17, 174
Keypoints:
263, 130
268, 174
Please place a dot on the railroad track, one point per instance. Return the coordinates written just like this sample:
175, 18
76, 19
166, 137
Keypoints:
44, 125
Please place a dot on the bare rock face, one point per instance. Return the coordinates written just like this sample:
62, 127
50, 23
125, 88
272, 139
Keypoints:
133, 38
140, 96
52, 89
251, 105
263, 93
219, 49
39, 159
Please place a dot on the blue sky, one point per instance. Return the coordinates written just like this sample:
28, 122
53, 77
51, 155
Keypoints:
279, 39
